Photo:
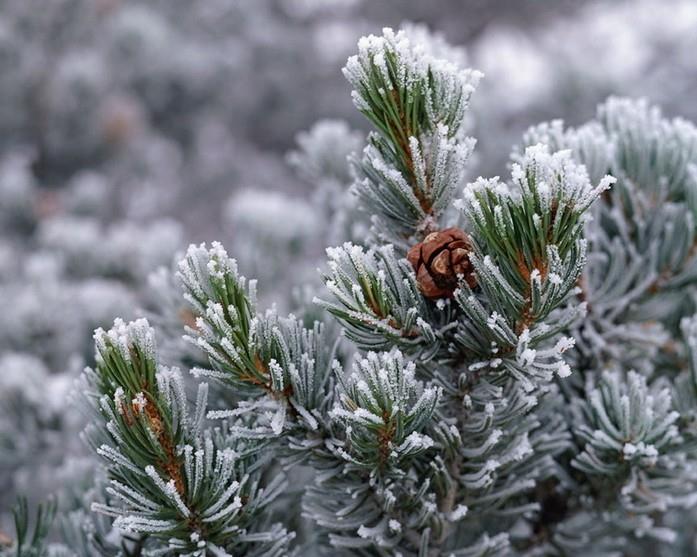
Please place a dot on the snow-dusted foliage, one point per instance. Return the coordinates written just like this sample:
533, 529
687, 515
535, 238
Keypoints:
630, 401
168, 478
413, 164
479, 367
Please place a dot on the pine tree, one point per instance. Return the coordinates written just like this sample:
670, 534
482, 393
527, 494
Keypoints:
516, 374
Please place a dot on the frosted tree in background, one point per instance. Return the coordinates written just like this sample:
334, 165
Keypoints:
569, 65
63, 272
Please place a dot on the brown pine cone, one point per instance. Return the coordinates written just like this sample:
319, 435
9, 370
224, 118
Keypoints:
438, 261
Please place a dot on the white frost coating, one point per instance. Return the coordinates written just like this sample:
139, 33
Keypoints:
458, 513
522, 449
557, 177
416, 442
119, 400
415, 54
139, 403
124, 337
132, 523
640, 449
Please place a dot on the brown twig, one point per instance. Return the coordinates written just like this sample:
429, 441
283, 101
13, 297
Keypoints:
171, 464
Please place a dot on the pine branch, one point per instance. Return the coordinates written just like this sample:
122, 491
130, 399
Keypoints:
168, 478
642, 238
384, 413
384, 409
377, 300
413, 164
633, 432
504, 326
275, 360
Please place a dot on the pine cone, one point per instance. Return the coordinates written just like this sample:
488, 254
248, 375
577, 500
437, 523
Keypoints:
438, 261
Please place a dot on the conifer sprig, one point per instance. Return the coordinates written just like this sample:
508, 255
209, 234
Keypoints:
529, 235
225, 307
413, 164
376, 298
265, 356
168, 478
384, 410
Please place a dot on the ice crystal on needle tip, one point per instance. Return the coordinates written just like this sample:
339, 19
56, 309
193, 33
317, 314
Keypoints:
125, 337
